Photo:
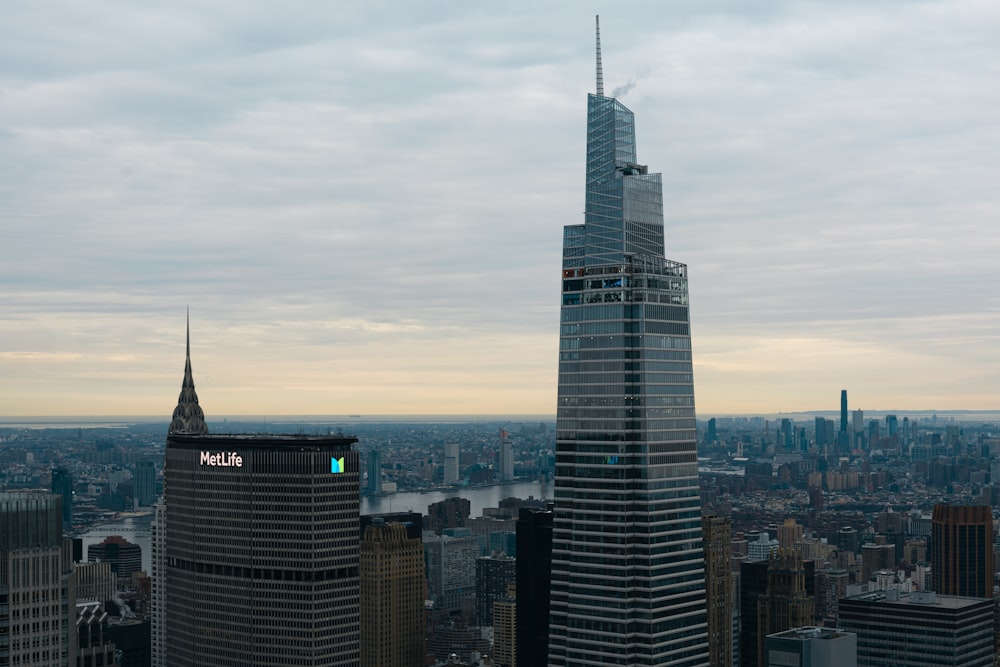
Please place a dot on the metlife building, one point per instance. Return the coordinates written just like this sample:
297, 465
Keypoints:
260, 550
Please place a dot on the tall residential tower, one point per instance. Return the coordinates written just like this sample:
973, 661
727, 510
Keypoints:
628, 577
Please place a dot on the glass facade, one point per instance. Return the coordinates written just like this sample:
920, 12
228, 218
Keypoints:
628, 577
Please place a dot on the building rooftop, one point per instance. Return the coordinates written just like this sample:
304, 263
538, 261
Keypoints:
259, 440
918, 598
810, 632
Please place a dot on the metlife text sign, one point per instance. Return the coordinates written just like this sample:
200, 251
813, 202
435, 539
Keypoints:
222, 459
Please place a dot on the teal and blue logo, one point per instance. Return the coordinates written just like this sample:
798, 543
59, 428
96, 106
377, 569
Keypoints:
336, 465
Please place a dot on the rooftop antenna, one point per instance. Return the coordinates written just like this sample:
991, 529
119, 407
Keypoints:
600, 68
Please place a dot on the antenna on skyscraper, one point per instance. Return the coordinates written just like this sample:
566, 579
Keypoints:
600, 69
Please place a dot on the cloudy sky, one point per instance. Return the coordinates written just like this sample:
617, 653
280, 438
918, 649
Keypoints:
362, 203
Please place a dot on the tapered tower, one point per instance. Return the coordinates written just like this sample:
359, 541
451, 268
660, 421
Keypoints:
628, 577
188, 416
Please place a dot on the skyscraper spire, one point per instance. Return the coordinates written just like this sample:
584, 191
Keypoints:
188, 416
600, 68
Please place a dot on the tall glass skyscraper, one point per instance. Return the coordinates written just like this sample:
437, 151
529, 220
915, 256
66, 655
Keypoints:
628, 575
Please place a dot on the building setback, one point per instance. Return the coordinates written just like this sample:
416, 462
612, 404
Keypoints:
628, 576
919, 629
392, 596
38, 612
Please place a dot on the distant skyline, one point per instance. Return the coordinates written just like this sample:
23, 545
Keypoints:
364, 209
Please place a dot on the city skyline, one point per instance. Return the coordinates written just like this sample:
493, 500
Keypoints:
362, 211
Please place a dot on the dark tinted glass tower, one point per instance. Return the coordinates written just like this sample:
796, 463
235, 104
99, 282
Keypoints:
628, 578
962, 550
62, 486
534, 561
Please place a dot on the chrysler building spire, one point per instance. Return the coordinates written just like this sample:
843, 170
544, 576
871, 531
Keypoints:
188, 416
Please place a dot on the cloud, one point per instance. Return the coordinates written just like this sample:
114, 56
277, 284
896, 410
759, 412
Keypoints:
354, 186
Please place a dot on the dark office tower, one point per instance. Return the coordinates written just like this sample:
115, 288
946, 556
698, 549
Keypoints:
920, 629
786, 604
124, 557
843, 411
493, 575
844, 434
62, 486
875, 557
821, 442
260, 548
848, 539
712, 435
753, 584
448, 513
628, 577
37, 614
374, 487
787, 440
534, 561
392, 596
145, 483
962, 550
716, 531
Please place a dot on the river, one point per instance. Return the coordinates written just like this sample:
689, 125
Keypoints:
479, 497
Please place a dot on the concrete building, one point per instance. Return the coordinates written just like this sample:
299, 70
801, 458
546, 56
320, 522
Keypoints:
94, 582
811, 647
762, 548
451, 569
124, 557
789, 534
493, 575
505, 629
716, 531
158, 587
449, 513
392, 596
37, 586
786, 604
451, 463
876, 557
920, 629
374, 485
506, 456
